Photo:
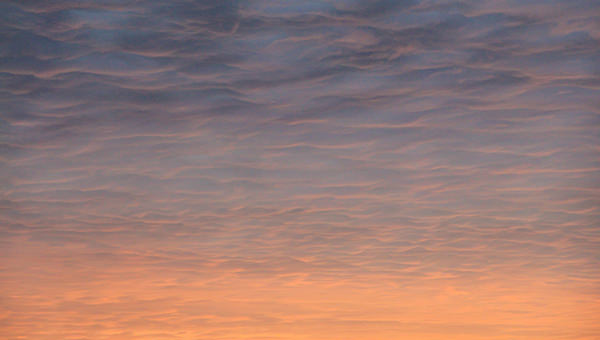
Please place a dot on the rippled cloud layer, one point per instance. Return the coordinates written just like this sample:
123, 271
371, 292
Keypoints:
300, 169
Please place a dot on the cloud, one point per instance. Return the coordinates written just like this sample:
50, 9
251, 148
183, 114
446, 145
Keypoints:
307, 169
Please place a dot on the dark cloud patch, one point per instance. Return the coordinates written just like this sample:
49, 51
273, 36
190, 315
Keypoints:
495, 81
373, 8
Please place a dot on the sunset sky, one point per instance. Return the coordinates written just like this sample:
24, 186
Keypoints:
300, 170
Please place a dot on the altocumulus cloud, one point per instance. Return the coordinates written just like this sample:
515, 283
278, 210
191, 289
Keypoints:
299, 169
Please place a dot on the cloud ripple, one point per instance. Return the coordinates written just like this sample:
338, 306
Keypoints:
299, 169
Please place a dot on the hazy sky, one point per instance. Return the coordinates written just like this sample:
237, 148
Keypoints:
300, 170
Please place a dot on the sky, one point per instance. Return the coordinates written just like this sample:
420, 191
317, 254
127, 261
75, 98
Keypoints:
300, 170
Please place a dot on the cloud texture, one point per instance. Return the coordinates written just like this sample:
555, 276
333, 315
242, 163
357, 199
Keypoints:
300, 170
